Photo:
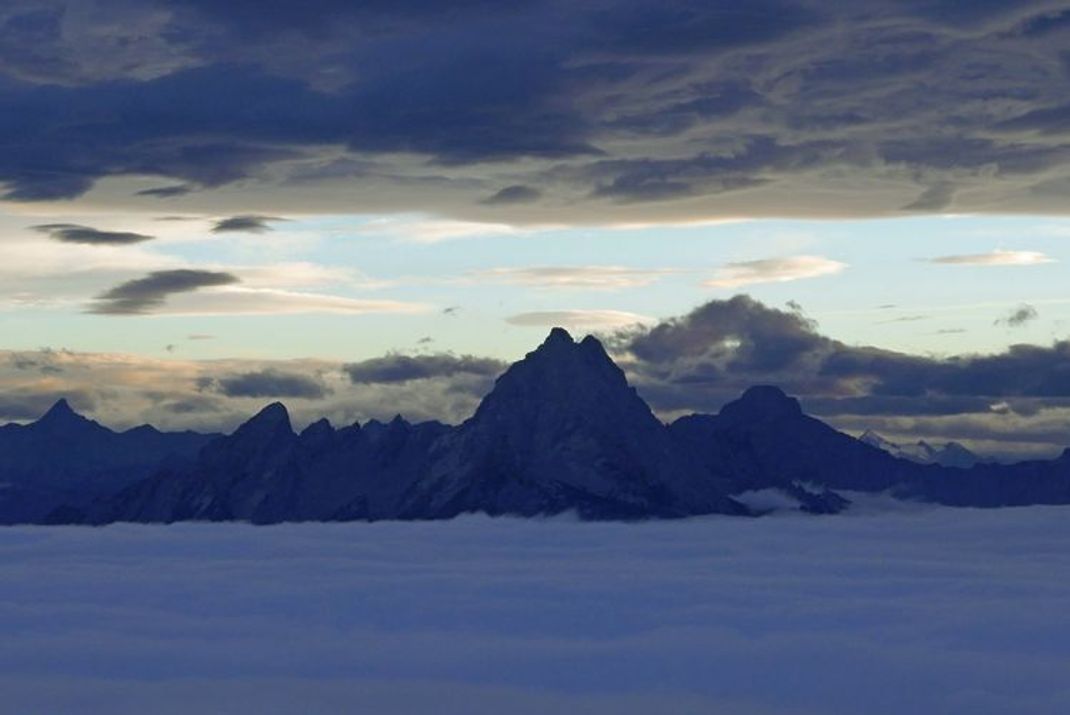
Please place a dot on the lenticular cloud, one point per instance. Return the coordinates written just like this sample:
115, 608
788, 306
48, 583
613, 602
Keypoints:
922, 610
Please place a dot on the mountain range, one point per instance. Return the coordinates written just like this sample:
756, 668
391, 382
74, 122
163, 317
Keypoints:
950, 454
64, 458
561, 431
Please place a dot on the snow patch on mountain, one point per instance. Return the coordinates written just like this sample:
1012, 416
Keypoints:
950, 454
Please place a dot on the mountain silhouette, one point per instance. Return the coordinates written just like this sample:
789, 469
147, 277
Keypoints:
65, 458
764, 440
561, 431
265, 473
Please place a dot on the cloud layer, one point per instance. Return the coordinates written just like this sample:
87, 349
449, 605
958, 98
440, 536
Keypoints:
757, 617
541, 111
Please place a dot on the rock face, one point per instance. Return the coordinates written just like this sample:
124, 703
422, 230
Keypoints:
561, 431
64, 458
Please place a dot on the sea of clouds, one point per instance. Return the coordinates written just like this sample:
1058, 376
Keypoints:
913, 611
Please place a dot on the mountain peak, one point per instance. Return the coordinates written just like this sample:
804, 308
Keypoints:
61, 414
272, 418
61, 407
762, 402
319, 427
558, 335
319, 434
560, 363
561, 377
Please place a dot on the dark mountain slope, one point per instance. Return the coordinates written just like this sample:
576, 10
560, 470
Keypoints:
265, 473
563, 430
65, 458
764, 439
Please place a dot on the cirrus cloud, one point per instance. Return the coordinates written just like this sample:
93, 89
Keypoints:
773, 270
995, 258
591, 277
188, 291
579, 319
243, 300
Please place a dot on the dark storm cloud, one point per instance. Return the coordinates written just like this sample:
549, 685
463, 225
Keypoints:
716, 351
142, 295
1044, 24
933, 198
72, 233
268, 383
1047, 120
894, 406
206, 126
706, 101
596, 109
661, 179
515, 194
396, 368
694, 26
166, 192
245, 224
321, 18
742, 333
955, 12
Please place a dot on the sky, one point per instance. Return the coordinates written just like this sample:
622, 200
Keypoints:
784, 614
365, 209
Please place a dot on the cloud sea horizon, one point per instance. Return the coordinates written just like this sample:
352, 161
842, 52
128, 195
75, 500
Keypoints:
883, 609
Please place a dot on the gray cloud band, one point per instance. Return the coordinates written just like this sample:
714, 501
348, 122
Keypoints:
590, 112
